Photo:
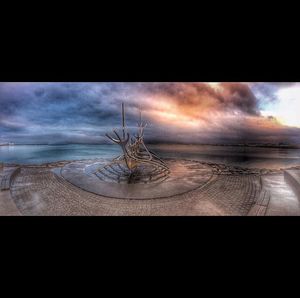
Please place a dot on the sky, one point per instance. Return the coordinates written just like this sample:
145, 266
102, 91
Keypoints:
191, 113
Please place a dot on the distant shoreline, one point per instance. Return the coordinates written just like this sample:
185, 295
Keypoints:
62, 163
283, 146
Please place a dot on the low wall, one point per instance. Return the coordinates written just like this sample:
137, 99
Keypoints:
7, 178
292, 177
13, 175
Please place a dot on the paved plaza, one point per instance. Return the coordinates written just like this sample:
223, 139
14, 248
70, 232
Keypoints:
203, 189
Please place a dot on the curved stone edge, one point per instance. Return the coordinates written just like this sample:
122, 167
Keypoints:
7, 204
7, 178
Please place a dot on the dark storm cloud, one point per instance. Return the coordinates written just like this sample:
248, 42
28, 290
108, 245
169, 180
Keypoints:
241, 97
52, 103
41, 108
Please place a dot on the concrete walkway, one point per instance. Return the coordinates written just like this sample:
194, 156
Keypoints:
283, 200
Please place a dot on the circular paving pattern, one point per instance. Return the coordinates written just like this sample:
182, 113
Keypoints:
183, 176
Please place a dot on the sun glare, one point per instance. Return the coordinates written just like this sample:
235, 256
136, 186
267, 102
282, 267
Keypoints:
287, 109
215, 85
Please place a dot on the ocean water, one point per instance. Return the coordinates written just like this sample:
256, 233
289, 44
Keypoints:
37, 154
271, 158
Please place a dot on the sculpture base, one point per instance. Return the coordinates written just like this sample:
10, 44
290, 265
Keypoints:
183, 176
118, 172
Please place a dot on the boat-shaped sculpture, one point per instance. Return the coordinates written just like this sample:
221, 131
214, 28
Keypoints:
137, 164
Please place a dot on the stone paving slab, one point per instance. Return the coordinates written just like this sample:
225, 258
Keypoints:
7, 205
260, 207
257, 210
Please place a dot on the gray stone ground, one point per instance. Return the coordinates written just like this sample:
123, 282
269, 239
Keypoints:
285, 200
230, 191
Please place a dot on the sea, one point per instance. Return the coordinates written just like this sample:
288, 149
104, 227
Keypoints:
251, 157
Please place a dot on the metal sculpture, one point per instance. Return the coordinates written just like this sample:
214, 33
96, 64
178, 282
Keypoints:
137, 163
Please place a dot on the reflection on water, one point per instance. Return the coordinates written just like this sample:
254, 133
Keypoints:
252, 157
241, 156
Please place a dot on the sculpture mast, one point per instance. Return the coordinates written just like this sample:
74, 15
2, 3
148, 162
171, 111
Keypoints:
123, 119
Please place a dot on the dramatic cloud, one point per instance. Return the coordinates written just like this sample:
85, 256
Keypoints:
205, 97
175, 112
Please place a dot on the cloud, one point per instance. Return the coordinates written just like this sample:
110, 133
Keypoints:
175, 112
